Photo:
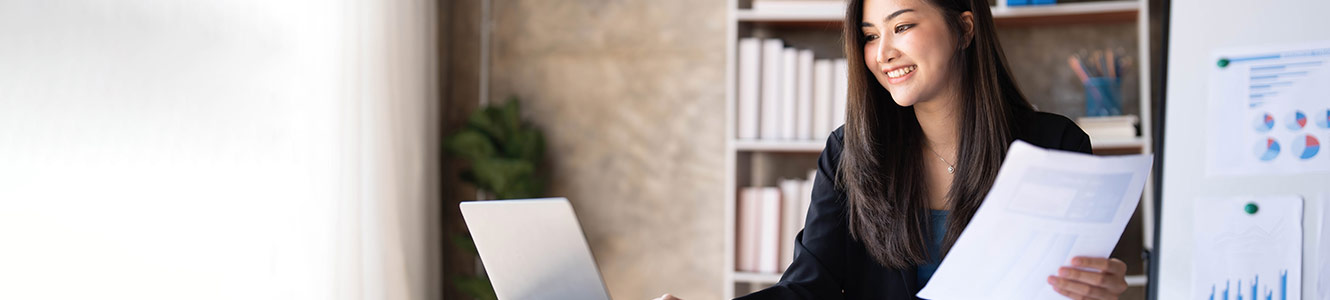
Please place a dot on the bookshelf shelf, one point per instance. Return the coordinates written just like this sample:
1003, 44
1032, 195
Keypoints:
816, 146
779, 146
756, 277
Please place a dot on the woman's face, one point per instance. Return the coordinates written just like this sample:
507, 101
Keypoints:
909, 49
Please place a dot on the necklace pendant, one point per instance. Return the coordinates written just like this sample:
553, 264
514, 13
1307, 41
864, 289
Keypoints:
951, 170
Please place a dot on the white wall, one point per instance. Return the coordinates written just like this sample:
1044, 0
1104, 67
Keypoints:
245, 149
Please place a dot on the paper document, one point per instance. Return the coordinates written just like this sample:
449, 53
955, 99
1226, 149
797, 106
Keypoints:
1046, 206
1247, 248
1323, 288
1268, 113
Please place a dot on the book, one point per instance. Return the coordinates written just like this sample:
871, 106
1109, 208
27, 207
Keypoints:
768, 243
746, 234
791, 193
789, 93
822, 98
1111, 127
841, 86
804, 108
808, 197
750, 68
772, 54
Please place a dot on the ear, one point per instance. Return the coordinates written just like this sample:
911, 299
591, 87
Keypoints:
967, 26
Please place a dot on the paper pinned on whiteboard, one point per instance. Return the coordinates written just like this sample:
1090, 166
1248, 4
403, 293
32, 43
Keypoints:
1247, 248
1046, 207
1323, 287
1268, 113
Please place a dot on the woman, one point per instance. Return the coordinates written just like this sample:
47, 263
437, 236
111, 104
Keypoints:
932, 111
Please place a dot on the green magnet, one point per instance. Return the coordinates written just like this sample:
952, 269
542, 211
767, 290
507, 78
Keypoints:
1223, 62
1251, 208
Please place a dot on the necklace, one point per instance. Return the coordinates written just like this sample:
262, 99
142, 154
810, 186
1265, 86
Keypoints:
951, 168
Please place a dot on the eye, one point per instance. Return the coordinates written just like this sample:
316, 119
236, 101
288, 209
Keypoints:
870, 37
903, 27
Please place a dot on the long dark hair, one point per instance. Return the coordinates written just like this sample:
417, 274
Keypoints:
881, 166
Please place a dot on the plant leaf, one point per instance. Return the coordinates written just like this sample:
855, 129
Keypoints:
485, 120
470, 144
500, 174
529, 145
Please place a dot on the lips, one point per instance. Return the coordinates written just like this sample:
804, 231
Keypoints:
899, 74
901, 71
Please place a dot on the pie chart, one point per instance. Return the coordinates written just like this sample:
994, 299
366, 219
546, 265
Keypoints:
1267, 149
1306, 147
1296, 120
1323, 120
1264, 122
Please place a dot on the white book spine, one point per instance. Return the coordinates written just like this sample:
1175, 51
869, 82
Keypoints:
840, 91
772, 50
750, 70
789, 93
805, 106
790, 189
769, 237
822, 98
808, 198
745, 256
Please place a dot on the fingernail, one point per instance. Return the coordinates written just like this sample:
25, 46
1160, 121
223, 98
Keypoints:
1077, 261
1063, 272
1051, 280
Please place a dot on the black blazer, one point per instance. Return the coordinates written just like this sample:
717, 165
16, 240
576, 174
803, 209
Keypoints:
829, 264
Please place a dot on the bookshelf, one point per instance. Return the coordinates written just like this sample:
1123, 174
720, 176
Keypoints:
756, 162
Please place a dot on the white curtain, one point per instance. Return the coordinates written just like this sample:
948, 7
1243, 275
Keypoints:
228, 149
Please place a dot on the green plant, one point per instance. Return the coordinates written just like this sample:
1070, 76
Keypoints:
504, 153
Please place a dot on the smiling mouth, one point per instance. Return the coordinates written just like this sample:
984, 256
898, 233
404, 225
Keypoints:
897, 73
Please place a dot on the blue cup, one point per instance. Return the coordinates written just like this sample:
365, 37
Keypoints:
1103, 97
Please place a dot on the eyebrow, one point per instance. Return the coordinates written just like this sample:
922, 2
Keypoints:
888, 18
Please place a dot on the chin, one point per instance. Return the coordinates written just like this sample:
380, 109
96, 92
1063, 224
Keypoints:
905, 100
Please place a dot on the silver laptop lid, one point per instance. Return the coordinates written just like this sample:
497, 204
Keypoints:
534, 249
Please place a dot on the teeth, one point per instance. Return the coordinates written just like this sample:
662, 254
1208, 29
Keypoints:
901, 72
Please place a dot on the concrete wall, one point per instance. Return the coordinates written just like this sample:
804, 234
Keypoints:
1038, 58
631, 98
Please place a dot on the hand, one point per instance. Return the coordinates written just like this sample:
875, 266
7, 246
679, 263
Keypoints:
1107, 280
666, 297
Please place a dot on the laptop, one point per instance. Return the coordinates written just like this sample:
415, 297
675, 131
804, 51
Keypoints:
534, 249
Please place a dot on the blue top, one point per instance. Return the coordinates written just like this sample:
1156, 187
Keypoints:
938, 221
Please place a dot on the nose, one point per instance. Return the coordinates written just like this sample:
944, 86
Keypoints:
885, 53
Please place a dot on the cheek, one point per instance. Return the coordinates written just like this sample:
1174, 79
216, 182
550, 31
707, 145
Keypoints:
933, 47
870, 57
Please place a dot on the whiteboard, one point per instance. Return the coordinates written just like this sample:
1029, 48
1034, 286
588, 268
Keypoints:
1197, 28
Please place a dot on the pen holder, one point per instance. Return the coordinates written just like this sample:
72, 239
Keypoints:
1103, 97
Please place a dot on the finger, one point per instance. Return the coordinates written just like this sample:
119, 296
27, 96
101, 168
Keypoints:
1065, 286
1069, 294
1112, 266
1110, 282
1116, 266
